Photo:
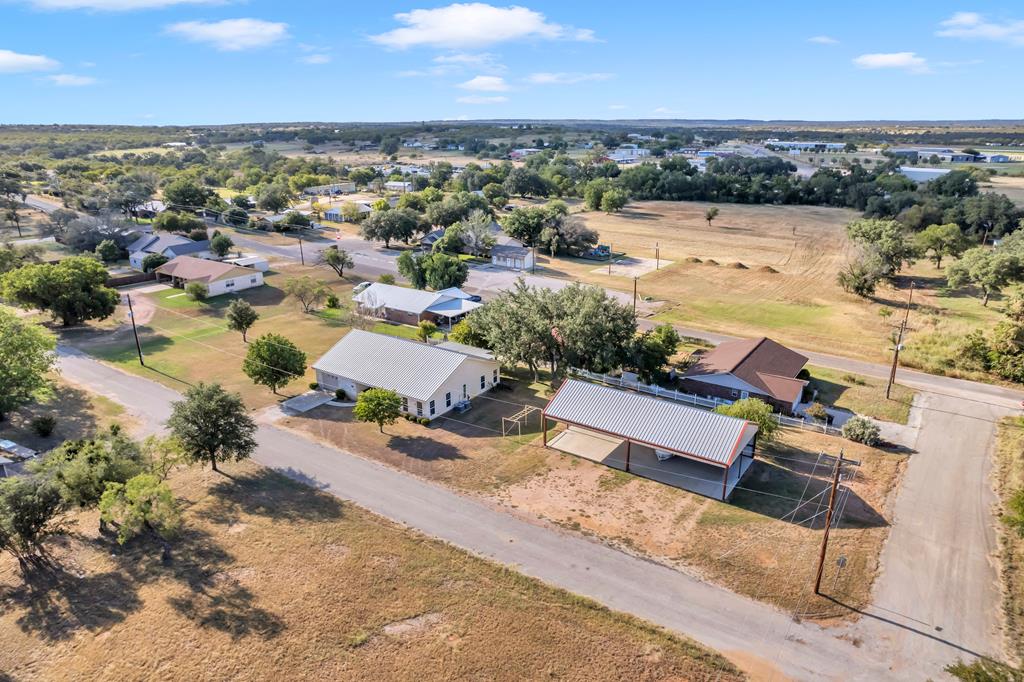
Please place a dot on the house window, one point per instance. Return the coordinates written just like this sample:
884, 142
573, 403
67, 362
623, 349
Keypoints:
495, 376
483, 382
447, 399
405, 404
252, 280
229, 283
744, 394
419, 409
432, 408
734, 393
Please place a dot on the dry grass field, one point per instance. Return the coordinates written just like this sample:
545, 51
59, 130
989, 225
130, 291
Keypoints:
271, 579
1008, 474
742, 545
767, 270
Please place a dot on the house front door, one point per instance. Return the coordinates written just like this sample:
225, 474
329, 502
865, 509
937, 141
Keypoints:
465, 395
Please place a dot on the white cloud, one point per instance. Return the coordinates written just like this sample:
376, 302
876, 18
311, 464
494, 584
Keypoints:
481, 99
316, 59
485, 84
70, 80
15, 62
823, 40
483, 60
665, 110
545, 78
973, 26
231, 35
115, 5
617, 107
474, 24
905, 61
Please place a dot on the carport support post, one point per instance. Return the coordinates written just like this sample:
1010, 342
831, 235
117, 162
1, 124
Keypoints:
544, 426
628, 444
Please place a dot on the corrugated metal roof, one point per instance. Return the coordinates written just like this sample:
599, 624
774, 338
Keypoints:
652, 421
379, 295
407, 367
467, 350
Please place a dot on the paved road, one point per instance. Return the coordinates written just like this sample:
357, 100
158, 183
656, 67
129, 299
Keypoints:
756, 635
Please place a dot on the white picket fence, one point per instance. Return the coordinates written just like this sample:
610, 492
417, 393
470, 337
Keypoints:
696, 400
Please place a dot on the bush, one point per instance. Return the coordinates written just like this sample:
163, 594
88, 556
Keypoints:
423, 421
313, 386
861, 430
804, 374
196, 291
853, 379
386, 278
817, 411
340, 395
153, 261
332, 301
197, 235
44, 425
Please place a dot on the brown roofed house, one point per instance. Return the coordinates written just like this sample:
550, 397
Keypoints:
749, 368
219, 278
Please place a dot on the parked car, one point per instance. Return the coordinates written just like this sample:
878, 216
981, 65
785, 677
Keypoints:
475, 298
360, 288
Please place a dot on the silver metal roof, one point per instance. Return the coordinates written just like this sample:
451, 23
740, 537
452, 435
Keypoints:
407, 367
448, 302
651, 421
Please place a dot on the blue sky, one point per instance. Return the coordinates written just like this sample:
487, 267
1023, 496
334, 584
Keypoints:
228, 61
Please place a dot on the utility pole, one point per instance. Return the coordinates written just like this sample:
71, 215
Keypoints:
611, 250
634, 296
657, 256
302, 257
131, 316
899, 344
828, 522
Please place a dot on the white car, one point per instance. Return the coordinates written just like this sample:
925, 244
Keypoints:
360, 288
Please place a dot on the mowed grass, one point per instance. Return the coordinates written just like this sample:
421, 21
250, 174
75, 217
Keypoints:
271, 579
767, 270
862, 395
187, 341
1009, 478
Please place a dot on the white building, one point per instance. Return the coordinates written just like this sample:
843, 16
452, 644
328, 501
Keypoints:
398, 186
629, 153
431, 380
219, 278
512, 257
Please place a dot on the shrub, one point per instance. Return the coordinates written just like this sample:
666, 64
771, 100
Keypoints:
861, 430
386, 278
423, 421
313, 385
153, 261
197, 235
817, 411
853, 379
340, 394
332, 301
804, 374
44, 425
196, 291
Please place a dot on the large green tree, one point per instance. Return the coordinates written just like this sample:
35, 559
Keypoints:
176, 221
986, 269
72, 290
940, 241
307, 290
142, 503
241, 316
81, 468
30, 507
26, 355
888, 240
212, 425
378, 405
411, 266
442, 271
400, 224
755, 411
185, 194
336, 259
274, 361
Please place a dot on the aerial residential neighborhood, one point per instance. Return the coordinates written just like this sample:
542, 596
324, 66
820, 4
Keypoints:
472, 341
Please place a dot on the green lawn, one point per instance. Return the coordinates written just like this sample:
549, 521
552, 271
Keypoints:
862, 395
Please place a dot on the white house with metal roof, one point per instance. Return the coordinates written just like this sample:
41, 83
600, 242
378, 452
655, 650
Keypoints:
682, 446
410, 306
431, 380
167, 245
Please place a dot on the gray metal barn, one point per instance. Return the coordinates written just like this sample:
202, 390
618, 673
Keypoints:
665, 441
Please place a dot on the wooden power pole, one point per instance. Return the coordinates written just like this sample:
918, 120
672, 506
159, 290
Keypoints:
131, 314
828, 522
899, 344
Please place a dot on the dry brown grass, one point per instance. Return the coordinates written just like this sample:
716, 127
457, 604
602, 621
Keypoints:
274, 580
768, 559
1009, 478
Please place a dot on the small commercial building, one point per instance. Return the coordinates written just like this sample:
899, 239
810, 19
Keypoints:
512, 257
219, 278
410, 306
749, 368
431, 380
681, 446
398, 186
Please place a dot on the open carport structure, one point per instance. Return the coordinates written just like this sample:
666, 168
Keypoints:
682, 446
